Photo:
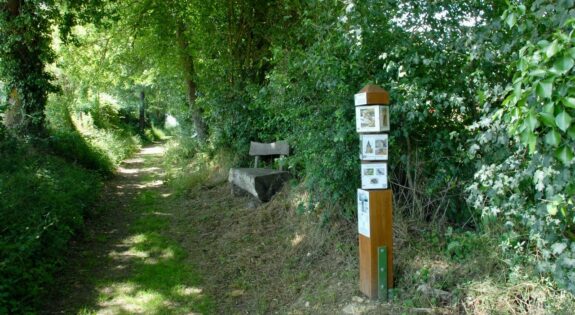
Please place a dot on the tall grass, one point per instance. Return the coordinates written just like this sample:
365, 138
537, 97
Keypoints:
188, 166
95, 144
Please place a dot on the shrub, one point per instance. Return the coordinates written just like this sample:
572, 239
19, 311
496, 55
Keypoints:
44, 200
525, 177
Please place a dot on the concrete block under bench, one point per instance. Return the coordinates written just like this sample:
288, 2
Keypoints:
262, 183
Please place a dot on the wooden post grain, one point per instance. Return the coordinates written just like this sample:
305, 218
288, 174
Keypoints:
381, 218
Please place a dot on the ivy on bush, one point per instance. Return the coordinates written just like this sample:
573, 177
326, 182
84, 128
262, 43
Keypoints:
531, 186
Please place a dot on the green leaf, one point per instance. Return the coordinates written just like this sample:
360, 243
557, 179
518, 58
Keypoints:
538, 73
523, 65
563, 64
549, 108
568, 102
553, 138
563, 120
571, 52
552, 209
517, 89
532, 121
511, 20
532, 142
510, 100
529, 139
548, 119
543, 44
552, 49
544, 89
522, 8
571, 132
515, 113
564, 154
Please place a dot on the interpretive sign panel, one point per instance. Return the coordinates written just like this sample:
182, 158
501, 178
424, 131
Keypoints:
374, 176
372, 118
360, 99
363, 212
374, 147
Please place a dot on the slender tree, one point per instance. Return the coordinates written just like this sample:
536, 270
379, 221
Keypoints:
24, 52
188, 70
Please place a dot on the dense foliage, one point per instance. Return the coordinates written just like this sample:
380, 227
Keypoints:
527, 144
50, 184
333, 49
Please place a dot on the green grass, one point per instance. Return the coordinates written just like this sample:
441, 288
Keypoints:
161, 280
154, 133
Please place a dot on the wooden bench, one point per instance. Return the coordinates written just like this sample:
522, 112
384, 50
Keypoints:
262, 183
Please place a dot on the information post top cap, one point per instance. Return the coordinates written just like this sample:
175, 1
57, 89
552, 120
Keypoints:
372, 94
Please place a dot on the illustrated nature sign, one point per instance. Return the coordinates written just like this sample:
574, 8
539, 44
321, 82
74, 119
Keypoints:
374, 147
374, 176
363, 212
372, 118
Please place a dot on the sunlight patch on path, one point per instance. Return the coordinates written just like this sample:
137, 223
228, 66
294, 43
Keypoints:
150, 184
187, 291
122, 170
126, 297
156, 150
145, 170
133, 161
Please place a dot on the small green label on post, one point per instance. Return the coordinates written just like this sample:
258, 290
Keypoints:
382, 273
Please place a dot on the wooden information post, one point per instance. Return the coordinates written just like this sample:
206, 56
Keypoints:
374, 199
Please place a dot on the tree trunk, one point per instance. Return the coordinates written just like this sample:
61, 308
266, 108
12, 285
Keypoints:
188, 68
418, 211
142, 111
13, 118
27, 79
14, 115
13, 7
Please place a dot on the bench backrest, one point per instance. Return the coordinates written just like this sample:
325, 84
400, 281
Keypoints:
274, 148
258, 149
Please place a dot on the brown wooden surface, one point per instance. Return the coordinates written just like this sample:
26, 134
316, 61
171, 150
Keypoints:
381, 234
366, 279
375, 95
